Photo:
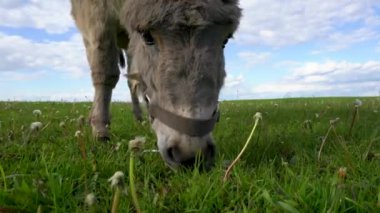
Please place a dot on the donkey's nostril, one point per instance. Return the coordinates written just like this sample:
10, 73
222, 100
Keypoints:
169, 153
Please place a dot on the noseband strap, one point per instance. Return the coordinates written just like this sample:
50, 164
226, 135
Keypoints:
188, 126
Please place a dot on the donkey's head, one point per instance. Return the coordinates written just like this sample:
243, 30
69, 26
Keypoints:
177, 49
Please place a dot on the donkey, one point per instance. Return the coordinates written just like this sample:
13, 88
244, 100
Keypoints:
175, 60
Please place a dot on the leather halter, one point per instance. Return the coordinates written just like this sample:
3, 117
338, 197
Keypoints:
188, 126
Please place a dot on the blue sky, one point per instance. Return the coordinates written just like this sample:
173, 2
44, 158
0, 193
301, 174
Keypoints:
282, 49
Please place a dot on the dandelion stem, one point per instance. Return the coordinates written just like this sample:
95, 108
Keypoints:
3, 176
324, 141
229, 169
116, 200
356, 111
132, 183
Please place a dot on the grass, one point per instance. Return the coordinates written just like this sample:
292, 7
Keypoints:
279, 172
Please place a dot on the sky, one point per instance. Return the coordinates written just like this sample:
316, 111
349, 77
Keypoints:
282, 49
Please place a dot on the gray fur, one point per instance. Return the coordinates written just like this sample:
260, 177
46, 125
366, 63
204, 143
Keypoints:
182, 72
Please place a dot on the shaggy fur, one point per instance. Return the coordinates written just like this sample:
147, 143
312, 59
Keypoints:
175, 58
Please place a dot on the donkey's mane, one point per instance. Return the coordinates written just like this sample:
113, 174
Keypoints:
170, 14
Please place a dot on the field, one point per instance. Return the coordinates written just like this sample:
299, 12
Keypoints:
51, 170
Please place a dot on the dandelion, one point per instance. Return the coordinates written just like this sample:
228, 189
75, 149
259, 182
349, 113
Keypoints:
62, 124
37, 112
35, 126
117, 146
117, 181
334, 121
257, 117
90, 199
358, 103
342, 172
332, 127
136, 144
78, 134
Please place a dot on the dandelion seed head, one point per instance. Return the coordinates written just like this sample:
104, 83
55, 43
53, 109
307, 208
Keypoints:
117, 179
258, 115
62, 124
90, 199
136, 144
37, 112
334, 121
78, 134
117, 146
342, 172
358, 103
35, 126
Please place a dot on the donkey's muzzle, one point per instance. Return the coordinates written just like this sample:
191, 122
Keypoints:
204, 159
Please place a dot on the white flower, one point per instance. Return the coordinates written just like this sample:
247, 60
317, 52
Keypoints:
117, 179
136, 144
334, 121
37, 112
358, 103
316, 115
275, 105
62, 124
342, 172
117, 146
90, 199
258, 116
78, 134
35, 126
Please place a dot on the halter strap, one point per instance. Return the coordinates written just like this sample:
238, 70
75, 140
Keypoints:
188, 126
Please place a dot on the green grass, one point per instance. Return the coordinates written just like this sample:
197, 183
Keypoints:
279, 172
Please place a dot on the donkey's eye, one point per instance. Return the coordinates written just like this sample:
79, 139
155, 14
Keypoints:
147, 38
226, 40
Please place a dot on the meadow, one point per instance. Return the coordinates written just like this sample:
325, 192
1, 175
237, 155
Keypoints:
53, 167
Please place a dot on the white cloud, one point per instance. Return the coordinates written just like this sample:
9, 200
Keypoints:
282, 23
53, 16
335, 78
26, 57
253, 58
233, 81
